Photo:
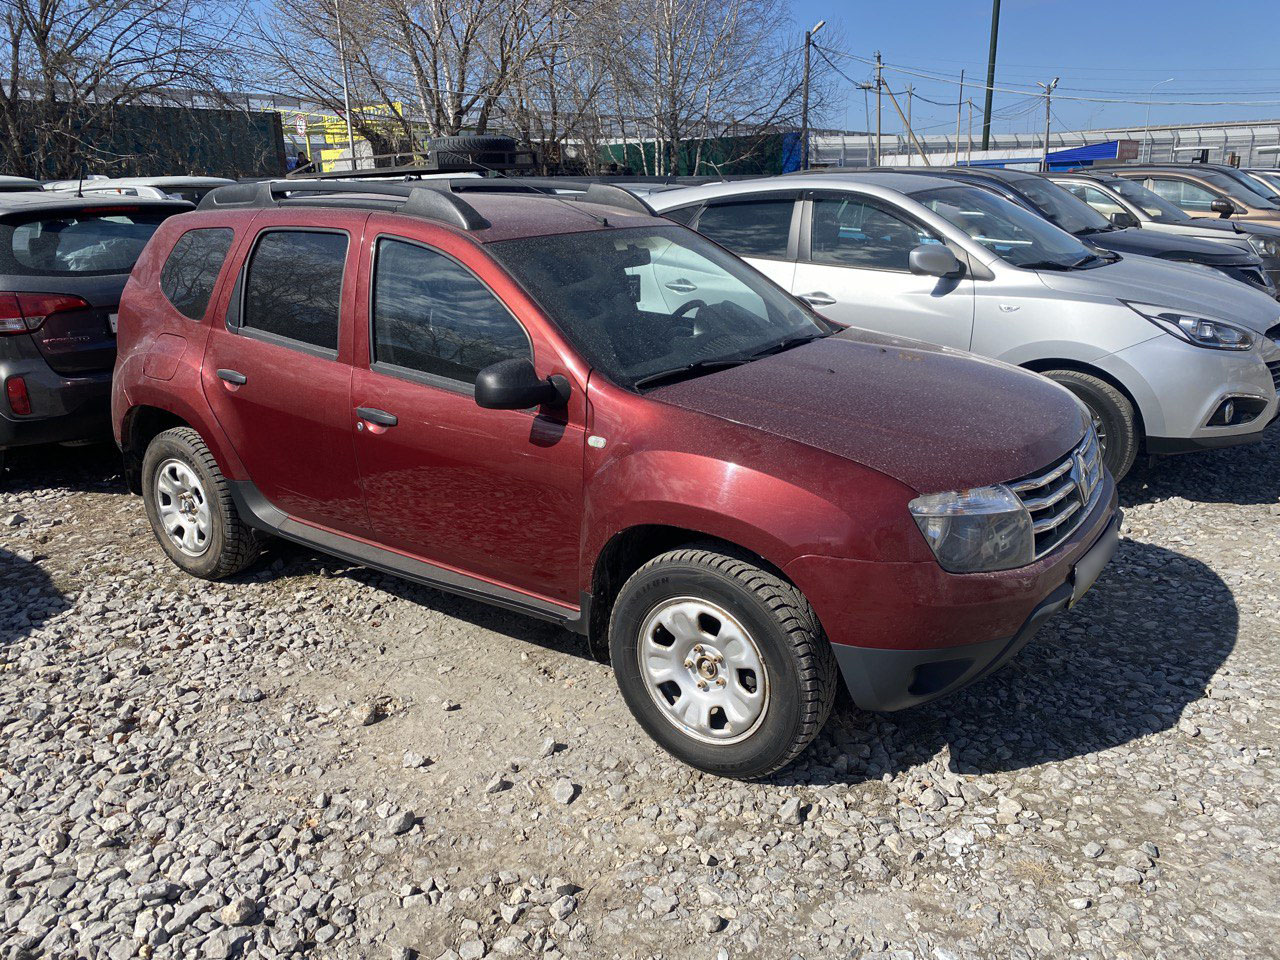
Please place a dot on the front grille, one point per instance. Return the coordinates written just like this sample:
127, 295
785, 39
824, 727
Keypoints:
1060, 497
1274, 367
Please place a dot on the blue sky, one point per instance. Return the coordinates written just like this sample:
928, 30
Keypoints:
1103, 51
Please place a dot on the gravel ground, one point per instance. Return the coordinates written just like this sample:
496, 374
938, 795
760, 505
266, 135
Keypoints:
319, 760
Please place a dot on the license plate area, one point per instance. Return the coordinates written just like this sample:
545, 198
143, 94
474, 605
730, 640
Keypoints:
1090, 566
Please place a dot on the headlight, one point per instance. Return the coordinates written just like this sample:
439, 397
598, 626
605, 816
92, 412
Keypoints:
1265, 246
1194, 327
969, 531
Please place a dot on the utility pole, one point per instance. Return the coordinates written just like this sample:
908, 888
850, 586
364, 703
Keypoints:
1146, 130
991, 74
969, 157
879, 86
908, 107
346, 90
804, 108
1048, 95
910, 132
959, 107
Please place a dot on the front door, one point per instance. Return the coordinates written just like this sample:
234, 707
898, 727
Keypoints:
278, 375
853, 269
759, 227
494, 494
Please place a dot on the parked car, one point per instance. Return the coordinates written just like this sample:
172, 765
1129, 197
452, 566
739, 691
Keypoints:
63, 262
18, 184
1126, 201
1168, 357
191, 189
1062, 209
1202, 191
585, 413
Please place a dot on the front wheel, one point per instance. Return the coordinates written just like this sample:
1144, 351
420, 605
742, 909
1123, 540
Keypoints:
1113, 418
721, 662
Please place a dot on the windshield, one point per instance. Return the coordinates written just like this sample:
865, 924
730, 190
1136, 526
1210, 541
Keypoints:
1152, 204
1269, 181
108, 240
1014, 233
1236, 190
646, 301
1057, 205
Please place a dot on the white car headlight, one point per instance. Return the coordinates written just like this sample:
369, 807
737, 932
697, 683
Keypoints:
1265, 246
981, 529
1194, 328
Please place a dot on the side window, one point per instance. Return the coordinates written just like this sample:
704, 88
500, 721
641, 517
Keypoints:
683, 214
754, 228
1095, 198
852, 233
294, 286
432, 315
1182, 194
192, 268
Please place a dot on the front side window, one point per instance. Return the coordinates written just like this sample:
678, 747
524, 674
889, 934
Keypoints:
643, 302
1014, 233
107, 240
294, 286
1061, 208
753, 228
1188, 196
431, 315
1095, 198
192, 268
851, 232
1152, 204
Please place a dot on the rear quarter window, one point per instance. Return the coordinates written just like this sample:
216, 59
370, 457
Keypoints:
192, 268
102, 241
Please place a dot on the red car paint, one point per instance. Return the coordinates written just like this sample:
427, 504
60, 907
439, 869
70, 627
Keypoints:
807, 458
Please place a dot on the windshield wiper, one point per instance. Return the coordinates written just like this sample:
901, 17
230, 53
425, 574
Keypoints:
1046, 265
1090, 231
688, 371
786, 344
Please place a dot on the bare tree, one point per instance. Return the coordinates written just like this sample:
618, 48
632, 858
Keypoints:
67, 67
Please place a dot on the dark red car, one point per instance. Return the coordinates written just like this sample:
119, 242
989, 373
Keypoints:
583, 412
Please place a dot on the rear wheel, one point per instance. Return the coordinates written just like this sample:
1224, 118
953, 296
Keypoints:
721, 662
1113, 418
190, 507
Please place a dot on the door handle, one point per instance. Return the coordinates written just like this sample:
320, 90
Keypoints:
380, 417
681, 285
233, 376
818, 299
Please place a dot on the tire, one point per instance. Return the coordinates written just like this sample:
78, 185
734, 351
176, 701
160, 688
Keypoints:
193, 497
719, 599
472, 144
1113, 416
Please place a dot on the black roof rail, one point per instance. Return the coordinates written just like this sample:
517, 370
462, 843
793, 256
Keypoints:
431, 200
588, 191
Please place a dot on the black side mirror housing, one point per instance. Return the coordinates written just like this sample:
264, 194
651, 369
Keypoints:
1223, 207
934, 260
1125, 220
514, 385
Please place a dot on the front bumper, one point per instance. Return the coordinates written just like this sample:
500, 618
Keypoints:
880, 679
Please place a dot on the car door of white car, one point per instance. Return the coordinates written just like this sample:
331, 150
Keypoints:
853, 258
761, 228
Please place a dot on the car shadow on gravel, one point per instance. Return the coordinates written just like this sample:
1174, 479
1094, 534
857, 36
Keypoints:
91, 468
28, 599
1242, 475
297, 559
1124, 664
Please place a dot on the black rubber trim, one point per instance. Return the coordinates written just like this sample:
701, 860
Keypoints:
1169, 446
259, 512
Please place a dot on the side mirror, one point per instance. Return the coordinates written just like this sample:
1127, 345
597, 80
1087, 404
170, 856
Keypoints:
934, 260
1223, 207
514, 385
1125, 219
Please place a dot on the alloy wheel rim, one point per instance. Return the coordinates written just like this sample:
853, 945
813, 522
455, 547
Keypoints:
703, 670
183, 507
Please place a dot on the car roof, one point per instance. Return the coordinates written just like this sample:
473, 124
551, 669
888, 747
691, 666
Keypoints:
18, 183
871, 183
24, 201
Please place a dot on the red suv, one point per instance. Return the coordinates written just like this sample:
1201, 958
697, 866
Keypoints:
575, 409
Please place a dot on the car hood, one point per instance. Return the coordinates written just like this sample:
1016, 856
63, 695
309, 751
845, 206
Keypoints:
1168, 246
1241, 227
931, 417
1182, 286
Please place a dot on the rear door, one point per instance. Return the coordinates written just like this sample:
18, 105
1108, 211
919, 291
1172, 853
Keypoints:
277, 372
854, 269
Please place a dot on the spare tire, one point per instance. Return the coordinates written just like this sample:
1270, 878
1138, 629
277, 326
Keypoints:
471, 152
472, 144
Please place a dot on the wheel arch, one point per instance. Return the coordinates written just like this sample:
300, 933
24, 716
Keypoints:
1079, 366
